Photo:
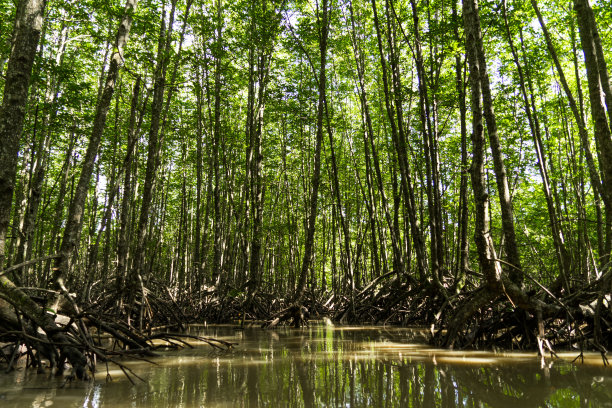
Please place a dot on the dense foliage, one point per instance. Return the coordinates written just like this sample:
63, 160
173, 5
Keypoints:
201, 189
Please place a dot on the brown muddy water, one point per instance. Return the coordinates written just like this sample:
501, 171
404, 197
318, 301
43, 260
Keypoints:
324, 366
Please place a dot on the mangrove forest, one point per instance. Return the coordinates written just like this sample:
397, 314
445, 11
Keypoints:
438, 164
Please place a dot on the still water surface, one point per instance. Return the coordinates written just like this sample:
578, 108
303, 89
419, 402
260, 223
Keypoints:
325, 366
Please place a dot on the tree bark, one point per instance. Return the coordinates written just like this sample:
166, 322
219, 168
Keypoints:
370, 149
40, 159
75, 213
399, 143
126, 202
534, 125
26, 33
431, 160
505, 200
463, 245
217, 263
314, 193
153, 152
600, 95
484, 242
266, 29
496, 284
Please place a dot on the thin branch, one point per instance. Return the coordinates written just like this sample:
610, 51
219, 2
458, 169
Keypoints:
27, 263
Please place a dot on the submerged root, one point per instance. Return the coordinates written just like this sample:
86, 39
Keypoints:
296, 314
101, 331
111, 325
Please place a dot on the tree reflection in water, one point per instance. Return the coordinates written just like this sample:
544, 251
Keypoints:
335, 367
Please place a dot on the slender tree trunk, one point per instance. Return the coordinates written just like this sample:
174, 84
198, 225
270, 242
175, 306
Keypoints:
63, 181
484, 243
600, 95
534, 125
496, 284
263, 59
26, 33
112, 187
248, 187
75, 213
431, 159
348, 269
369, 146
204, 278
399, 142
197, 250
12, 114
217, 263
482, 237
507, 213
126, 202
25, 248
578, 116
316, 173
463, 247
153, 152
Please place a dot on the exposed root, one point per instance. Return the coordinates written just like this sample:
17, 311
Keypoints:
111, 325
83, 336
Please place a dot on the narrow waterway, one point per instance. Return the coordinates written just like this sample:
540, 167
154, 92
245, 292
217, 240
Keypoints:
324, 366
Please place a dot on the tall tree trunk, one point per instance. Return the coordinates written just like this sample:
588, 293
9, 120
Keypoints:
316, 173
26, 33
600, 95
263, 58
484, 242
12, 113
463, 247
496, 283
112, 187
75, 213
370, 149
505, 200
204, 274
197, 250
126, 202
39, 168
217, 263
399, 142
482, 237
431, 159
348, 267
534, 125
63, 181
153, 152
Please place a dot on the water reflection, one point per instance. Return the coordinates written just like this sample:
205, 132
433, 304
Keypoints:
328, 367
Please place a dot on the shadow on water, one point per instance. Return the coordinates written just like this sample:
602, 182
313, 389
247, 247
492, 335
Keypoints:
328, 367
